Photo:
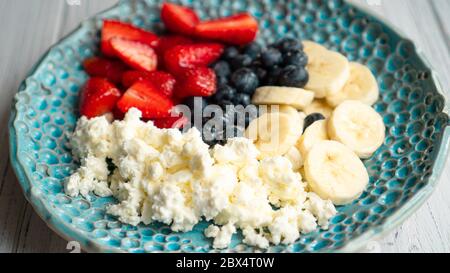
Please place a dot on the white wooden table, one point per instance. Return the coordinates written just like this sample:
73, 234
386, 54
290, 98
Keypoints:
28, 28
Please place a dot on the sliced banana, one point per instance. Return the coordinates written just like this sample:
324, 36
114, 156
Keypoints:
361, 86
292, 96
319, 106
295, 157
358, 126
335, 172
310, 45
316, 132
328, 70
274, 133
282, 109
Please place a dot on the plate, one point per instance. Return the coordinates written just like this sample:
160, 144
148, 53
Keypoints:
403, 172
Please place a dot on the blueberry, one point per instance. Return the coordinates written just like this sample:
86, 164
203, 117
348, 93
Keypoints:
289, 44
242, 99
230, 53
260, 72
271, 57
222, 81
251, 114
252, 50
241, 61
298, 58
245, 80
310, 119
293, 76
222, 69
272, 76
224, 92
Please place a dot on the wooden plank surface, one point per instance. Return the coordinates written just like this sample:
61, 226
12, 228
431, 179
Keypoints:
21, 230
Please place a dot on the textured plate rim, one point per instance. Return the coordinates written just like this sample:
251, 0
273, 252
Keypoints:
403, 212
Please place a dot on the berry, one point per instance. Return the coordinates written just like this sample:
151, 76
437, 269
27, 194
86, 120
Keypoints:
179, 19
245, 80
253, 50
271, 57
98, 97
137, 55
242, 99
241, 61
222, 69
164, 81
238, 29
310, 119
200, 81
105, 68
272, 76
260, 72
146, 97
222, 81
195, 102
293, 76
167, 42
224, 93
298, 58
171, 122
230, 53
289, 44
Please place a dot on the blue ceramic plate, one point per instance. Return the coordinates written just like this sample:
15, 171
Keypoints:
403, 172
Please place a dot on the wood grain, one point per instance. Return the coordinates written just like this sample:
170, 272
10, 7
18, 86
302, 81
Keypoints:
426, 22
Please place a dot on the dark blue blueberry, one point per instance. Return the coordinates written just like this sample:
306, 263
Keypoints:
272, 76
251, 114
222, 81
253, 50
230, 53
260, 72
310, 119
245, 80
224, 93
298, 58
271, 57
240, 61
293, 76
222, 69
242, 99
289, 44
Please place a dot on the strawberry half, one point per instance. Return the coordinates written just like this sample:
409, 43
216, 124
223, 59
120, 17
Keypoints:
116, 29
98, 97
171, 122
239, 29
137, 55
188, 56
200, 81
160, 79
179, 19
101, 67
147, 98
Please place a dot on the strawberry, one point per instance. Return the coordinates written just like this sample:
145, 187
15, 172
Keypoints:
167, 42
200, 81
116, 29
98, 97
179, 19
188, 56
137, 55
160, 79
171, 122
101, 67
239, 29
146, 97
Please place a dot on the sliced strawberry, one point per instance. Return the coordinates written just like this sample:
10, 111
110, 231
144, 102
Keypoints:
200, 81
169, 41
105, 68
160, 79
137, 55
239, 29
171, 122
146, 97
116, 29
188, 56
179, 19
98, 97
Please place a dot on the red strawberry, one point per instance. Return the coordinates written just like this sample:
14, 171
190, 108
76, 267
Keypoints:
160, 79
200, 81
169, 41
146, 97
171, 122
137, 55
179, 19
98, 97
116, 29
101, 67
239, 29
188, 56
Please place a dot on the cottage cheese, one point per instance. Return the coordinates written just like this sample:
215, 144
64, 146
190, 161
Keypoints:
174, 178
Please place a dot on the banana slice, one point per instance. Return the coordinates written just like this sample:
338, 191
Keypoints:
335, 172
310, 45
316, 132
274, 133
328, 70
319, 106
282, 109
358, 126
295, 157
361, 86
292, 96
